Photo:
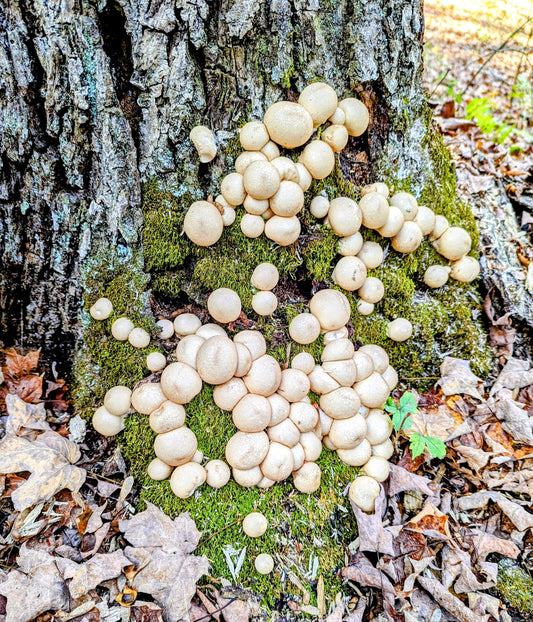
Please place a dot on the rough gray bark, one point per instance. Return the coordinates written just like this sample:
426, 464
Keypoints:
96, 98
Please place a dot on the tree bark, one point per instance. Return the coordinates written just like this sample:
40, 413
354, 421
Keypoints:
96, 99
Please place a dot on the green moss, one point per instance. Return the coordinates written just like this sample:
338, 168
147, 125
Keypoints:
515, 587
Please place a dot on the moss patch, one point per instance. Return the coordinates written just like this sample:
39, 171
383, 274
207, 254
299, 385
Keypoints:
515, 587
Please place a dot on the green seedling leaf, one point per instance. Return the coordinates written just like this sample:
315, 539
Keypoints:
390, 406
400, 420
417, 444
408, 404
435, 447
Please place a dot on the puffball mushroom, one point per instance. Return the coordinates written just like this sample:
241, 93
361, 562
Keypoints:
106, 423
307, 478
253, 136
320, 101
318, 158
245, 159
203, 223
169, 416
264, 376
278, 463
363, 492
356, 116
261, 180
264, 564
228, 394
356, 456
408, 239
364, 365
321, 381
147, 397
425, 219
176, 447
364, 308
244, 360
280, 408
304, 176
378, 187
294, 385
246, 450
312, 446
253, 340
348, 433
372, 391
383, 450
406, 203
394, 223
338, 350
101, 309
186, 324
166, 328
465, 270
399, 329
264, 303
224, 305
379, 356
232, 189
247, 477
252, 226
371, 254
436, 276
441, 225
379, 426
121, 328
228, 216
180, 383
139, 338
156, 361
204, 141
342, 403
255, 207
283, 231
206, 331
265, 276
332, 335
319, 206
336, 136
217, 473
304, 416
344, 372
288, 200
350, 245
158, 470
331, 308
254, 524
270, 151
390, 375
338, 117
286, 168
304, 328
375, 210
377, 468
186, 478
372, 290
187, 349
298, 456
117, 400
344, 216
286, 432
454, 243
216, 360
252, 413
288, 124
349, 273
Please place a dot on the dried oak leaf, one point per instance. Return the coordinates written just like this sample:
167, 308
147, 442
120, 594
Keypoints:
372, 535
35, 588
25, 419
458, 379
515, 375
163, 549
519, 517
50, 459
18, 364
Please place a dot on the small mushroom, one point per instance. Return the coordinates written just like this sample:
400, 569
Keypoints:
158, 470
180, 383
255, 207
283, 231
320, 101
288, 124
425, 219
265, 276
101, 309
383, 450
390, 375
321, 381
261, 180
394, 224
436, 276
342, 403
336, 136
245, 450
166, 329
253, 136
264, 303
364, 308
106, 423
344, 372
121, 328
406, 203
319, 206
298, 456
117, 400
176, 447
228, 213
331, 308
264, 564
245, 159
304, 176
156, 361
348, 433
186, 478
338, 117
364, 365
372, 290
169, 416
252, 226
357, 117
454, 243
232, 189
187, 349
280, 408
372, 391
294, 385
253, 340
379, 427
286, 432
304, 328
224, 305
375, 210
186, 324
350, 245
206, 331
216, 360
217, 473
266, 483
247, 477
198, 456
465, 270
147, 397
363, 492
312, 446
244, 360
441, 225
254, 524
252, 413
270, 151
349, 273
304, 416
378, 355
318, 158
332, 335
338, 350
408, 239
378, 187
344, 216
278, 463
356, 456
371, 254
203, 223
204, 141
377, 468
307, 478
288, 200
139, 338
228, 394
399, 329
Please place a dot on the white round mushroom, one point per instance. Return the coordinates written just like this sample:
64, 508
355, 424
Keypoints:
203, 223
320, 101
344, 216
117, 400
224, 305
147, 397
288, 124
176, 447
253, 136
158, 470
377, 468
101, 309
304, 328
331, 308
304, 362
264, 303
436, 276
356, 456
216, 360
106, 423
371, 254
217, 473
166, 328
264, 376
247, 450
186, 324
379, 426
278, 463
186, 478
307, 477
319, 206
294, 385
406, 203
265, 276
156, 361
264, 564
350, 273
253, 340
180, 383
187, 349
399, 329
375, 210
465, 270
356, 116
341, 403
169, 416
228, 394
139, 338
252, 413
254, 524
318, 158
363, 492
121, 328
284, 231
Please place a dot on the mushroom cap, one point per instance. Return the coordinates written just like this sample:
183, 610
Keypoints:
294, 385
286, 168
288, 124
390, 375
270, 150
379, 426
356, 116
298, 456
252, 226
372, 290
378, 355
264, 564
139, 338
288, 200
332, 335
186, 324
169, 416
399, 329
356, 456
342, 403
406, 203
255, 207
117, 400
350, 273
252, 413
187, 349
304, 362
244, 360
336, 136
338, 350
217, 360
121, 328
198, 456
320, 101
378, 186
106, 423
224, 305
371, 254
425, 219
265, 276
247, 477
264, 303
261, 180
158, 470
375, 210
217, 473
436, 276
363, 492
344, 216
344, 372
304, 416
312, 446
232, 189
253, 340
331, 308
283, 230
377, 468
441, 225
166, 329
180, 383
266, 483
186, 478
338, 117
246, 450
147, 397
319, 206
321, 381
383, 450
156, 361
318, 158
465, 270
176, 446
206, 331
364, 365
408, 239
364, 308
204, 141
280, 408
286, 432
394, 224
203, 223
454, 243
278, 463
254, 524
253, 136
304, 328
350, 245
101, 309
264, 376
228, 394
244, 160
304, 176
307, 478
373, 391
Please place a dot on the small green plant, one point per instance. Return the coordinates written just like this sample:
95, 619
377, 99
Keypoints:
480, 110
401, 421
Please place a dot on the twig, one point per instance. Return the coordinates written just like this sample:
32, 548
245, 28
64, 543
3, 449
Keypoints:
439, 83
112, 481
8, 567
212, 614
518, 69
217, 532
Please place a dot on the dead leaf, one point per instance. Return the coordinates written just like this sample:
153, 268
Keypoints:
458, 379
364, 573
431, 522
25, 419
49, 458
486, 543
515, 375
401, 480
457, 572
437, 422
20, 365
29, 388
450, 602
372, 535
148, 612
519, 517
515, 419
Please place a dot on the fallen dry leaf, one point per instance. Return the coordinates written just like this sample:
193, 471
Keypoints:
486, 543
458, 379
451, 603
401, 480
515, 420
364, 573
457, 572
19, 364
519, 517
372, 535
25, 419
515, 375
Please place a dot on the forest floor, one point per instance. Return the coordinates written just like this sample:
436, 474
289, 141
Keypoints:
451, 539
